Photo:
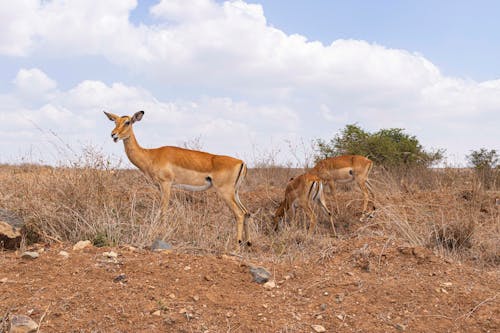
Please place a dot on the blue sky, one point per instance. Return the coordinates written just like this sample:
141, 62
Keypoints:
461, 37
247, 78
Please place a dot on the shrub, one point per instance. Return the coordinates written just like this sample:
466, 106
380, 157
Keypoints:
388, 147
485, 162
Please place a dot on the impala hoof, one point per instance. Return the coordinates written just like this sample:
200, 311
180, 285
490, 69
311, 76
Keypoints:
246, 243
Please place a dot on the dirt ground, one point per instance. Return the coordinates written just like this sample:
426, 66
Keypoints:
358, 285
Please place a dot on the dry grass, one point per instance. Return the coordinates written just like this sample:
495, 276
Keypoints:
440, 209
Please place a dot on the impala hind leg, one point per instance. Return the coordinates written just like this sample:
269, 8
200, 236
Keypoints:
333, 192
240, 214
312, 219
367, 191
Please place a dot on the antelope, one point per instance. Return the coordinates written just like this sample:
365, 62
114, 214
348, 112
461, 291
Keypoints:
345, 169
185, 169
302, 191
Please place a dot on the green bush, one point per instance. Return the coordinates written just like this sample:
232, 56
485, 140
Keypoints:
388, 147
486, 164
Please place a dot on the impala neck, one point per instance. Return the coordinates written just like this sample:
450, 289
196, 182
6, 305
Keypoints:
135, 153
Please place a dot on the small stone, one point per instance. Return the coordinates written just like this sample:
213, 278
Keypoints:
131, 248
160, 245
340, 316
120, 278
196, 298
325, 293
157, 313
323, 307
339, 298
318, 328
30, 255
400, 327
172, 296
269, 285
229, 314
187, 268
22, 324
64, 254
260, 274
319, 317
446, 284
110, 255
82, 245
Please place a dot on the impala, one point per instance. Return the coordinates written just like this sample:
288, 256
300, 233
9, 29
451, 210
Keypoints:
301, 191
185, 169
345, 169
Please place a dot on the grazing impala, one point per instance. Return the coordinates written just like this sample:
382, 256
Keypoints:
185, 169
301, 191
345, 169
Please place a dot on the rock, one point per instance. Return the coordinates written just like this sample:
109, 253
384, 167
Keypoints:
110, 255
323, 307
260, 274
421, 252
10, 230
120, 278
339, 298
30, 255
400, 327
64, 254
160, 245
269, 285
22, 324
157, 313
318, 328
196, 298
82, 245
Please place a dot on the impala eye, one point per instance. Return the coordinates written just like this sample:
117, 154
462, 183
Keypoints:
127, 122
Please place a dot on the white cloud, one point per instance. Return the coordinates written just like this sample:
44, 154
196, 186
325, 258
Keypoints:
34, 84
285, 84
225, 126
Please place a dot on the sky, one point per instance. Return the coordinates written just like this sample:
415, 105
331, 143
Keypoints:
257, 80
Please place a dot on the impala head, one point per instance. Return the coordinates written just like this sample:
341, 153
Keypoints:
123, 124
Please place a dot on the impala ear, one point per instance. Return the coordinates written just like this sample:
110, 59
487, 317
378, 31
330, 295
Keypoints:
137, 116
111, 116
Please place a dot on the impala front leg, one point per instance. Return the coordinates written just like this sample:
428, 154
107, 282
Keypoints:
165, 197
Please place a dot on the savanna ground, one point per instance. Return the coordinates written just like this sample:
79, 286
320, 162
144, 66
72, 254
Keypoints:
427, 262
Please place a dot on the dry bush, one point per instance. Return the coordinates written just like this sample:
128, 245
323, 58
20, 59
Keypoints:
441, 209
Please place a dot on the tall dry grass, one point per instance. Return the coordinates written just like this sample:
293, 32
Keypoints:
92, 199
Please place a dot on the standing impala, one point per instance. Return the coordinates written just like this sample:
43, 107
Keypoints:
185, 169
301, 191
345, 169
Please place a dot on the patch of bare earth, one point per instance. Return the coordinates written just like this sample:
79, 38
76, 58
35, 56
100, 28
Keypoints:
369, 284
